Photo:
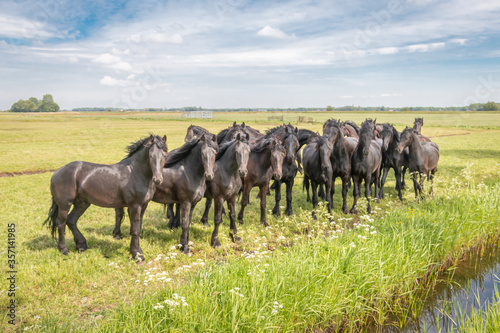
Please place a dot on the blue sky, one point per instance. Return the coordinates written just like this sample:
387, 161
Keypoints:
240, 53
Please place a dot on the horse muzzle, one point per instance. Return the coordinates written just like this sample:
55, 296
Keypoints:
277, 176
157, 180
243, 173
209, 176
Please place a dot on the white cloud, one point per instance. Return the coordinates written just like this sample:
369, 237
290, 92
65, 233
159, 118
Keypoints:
424, 47
268, 31
22, 28
112, 82
156, 37
107, 59
122, 65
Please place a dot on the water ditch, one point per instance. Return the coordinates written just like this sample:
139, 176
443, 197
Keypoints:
469, 285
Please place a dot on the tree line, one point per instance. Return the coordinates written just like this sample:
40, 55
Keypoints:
33, 104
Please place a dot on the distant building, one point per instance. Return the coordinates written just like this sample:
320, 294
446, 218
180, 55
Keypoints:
198, 114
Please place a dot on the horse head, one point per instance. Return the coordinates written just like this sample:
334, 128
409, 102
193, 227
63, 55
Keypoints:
209, 149
277, 156
405, 139
325, 146
291, 143
242, 150
157, 152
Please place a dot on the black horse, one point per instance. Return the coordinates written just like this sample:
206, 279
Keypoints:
365, 164
265, 163
185, 174
289, 136
230, 133
194, 131
391, 158
423, 159
229, 169
130, 183
318, 168
340, 159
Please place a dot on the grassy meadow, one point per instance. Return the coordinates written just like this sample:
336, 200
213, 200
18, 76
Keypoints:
296, 275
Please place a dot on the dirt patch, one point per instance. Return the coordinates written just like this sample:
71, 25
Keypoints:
438, 136
24, 173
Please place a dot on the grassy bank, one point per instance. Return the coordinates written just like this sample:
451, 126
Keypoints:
298, 274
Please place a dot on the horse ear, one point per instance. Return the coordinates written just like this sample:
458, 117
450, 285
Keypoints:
234, 124
202, 139
238, 137
243, 125
164, 138
151, 138
214, 138
296, 131
248, 137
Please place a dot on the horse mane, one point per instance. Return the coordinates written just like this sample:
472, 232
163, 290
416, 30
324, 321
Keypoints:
176, 155
305, 136
136, 146
264, 143
225, 146
281, 133
390, 128
221, 135
353, 125
335, 122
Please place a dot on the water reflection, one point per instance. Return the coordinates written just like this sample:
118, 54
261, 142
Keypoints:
470, 285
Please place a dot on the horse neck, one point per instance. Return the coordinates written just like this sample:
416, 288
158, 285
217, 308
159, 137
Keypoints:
140, 160
194, 159
415, 147
228, 163
262, 159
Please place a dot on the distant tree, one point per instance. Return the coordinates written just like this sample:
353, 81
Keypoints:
405, 109
491, 106
23, 106
47, 104
329, 108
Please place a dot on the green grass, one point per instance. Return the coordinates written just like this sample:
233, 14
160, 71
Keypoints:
320, 281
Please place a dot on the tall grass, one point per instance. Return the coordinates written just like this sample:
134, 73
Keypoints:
325, 275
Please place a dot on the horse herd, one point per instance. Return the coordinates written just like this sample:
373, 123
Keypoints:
239, 158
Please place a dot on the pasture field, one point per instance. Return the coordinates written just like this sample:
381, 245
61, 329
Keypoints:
298, 274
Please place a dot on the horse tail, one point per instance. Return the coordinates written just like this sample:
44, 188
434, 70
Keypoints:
51, 221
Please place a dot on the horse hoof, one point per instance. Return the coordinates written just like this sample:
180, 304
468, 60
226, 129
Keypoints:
289, 212
265, 224
354, 211
82, 249
235, 238
65, 252
206, 224
118, 237
216, 244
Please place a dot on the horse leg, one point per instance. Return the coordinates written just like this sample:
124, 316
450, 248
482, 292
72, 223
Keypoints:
321, 192
277, 195
415, 184
289, 187
134, 213
185, 214
345, 181
368, 192
217, 221
244, 201
263, 205
332, 191
119, 215
431, 180
328, 190
403, 173
231, 202
355, 193
79, 207
204, 218
397, 174
306, 185
421, 185
382, 182
377, 189
61, 228
314, 188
